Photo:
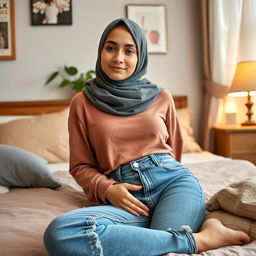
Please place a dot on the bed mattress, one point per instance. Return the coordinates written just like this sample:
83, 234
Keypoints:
26, 212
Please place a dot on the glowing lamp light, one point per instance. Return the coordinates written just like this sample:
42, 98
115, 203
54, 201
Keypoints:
244, 84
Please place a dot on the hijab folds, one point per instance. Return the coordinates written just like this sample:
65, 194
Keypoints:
125, 97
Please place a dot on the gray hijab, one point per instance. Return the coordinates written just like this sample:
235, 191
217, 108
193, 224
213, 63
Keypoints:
125, 97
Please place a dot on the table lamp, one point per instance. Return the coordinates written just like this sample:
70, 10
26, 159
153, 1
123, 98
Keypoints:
244, 84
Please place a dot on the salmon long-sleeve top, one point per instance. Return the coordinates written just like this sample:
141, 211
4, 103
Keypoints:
100, 142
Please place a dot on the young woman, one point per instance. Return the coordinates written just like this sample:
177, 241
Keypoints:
125, 148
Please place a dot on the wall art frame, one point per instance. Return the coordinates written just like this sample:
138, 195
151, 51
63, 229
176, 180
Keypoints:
153, 20
7, 30
51, 12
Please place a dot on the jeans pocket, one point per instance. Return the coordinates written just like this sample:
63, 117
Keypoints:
172, 165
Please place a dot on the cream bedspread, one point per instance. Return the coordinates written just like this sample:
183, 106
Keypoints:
25, 213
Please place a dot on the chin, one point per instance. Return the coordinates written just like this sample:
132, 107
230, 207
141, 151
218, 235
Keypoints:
117, 77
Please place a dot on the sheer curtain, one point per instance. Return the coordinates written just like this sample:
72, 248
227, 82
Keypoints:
221, 24
247, 45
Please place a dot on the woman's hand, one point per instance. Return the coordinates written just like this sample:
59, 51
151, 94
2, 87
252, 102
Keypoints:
120, 196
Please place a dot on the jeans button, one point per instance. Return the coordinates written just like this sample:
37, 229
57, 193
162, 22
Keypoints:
135, 164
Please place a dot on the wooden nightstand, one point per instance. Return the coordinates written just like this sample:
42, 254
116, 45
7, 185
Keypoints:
236, 141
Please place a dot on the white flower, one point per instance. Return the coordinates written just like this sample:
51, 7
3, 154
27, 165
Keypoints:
39, 7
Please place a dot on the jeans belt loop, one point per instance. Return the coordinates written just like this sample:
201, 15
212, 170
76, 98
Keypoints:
155, 160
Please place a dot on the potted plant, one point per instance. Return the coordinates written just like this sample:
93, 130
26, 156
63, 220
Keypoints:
71, 77
154, 36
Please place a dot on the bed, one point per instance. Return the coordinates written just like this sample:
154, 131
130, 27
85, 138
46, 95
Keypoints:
33, 136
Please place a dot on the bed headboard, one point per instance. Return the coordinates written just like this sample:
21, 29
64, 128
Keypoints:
49, 106
32, 107
181, 101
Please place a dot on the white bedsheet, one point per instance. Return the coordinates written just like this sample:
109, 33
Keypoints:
200, 157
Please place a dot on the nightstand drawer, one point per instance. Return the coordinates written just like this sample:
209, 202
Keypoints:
237, 142
249, 157
243, 143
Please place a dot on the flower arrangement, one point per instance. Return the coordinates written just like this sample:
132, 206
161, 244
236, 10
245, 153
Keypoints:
71, 77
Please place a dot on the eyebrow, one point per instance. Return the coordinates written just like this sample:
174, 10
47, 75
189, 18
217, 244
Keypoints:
115, 43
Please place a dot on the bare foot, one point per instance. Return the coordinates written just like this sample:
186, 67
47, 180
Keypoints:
214, 235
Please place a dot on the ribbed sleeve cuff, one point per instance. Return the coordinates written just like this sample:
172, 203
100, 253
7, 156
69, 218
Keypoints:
102, 188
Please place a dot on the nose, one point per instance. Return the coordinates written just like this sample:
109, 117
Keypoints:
119, 57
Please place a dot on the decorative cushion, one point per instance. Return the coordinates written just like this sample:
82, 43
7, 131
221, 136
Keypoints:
21, 168
45, 135
189, 142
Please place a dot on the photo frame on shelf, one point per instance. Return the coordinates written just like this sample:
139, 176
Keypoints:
7, 30
152, 19
50, 12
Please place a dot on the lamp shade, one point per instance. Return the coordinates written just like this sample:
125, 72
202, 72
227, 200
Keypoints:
245, 77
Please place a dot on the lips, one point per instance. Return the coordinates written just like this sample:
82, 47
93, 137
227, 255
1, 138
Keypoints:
117, 69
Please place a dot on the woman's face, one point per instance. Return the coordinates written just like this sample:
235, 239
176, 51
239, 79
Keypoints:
119, 54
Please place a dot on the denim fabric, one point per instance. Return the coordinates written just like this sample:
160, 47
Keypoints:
177, 208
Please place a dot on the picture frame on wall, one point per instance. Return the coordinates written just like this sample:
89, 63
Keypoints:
51, 12
152, 19
7, 30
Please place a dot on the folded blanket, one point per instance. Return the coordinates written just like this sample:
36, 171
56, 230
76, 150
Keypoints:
235, 206
238, 198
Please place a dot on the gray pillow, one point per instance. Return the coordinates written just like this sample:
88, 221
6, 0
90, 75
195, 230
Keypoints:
21, 168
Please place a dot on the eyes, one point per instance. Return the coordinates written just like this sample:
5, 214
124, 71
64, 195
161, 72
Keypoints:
128, 50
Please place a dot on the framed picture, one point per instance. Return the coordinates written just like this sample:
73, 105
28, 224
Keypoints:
7, 30
51, 12
152, 19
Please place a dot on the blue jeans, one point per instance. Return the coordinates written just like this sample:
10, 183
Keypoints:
177, 208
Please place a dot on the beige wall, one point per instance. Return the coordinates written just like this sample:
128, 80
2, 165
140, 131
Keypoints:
43, 49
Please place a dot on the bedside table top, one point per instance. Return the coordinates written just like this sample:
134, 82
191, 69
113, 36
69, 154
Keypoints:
236, 128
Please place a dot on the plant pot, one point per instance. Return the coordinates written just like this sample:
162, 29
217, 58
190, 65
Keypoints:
154, 37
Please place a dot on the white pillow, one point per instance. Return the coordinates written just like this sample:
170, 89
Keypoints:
189, 142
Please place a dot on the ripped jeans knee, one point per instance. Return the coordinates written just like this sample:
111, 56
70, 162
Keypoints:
81, 232
68, 236
93, 237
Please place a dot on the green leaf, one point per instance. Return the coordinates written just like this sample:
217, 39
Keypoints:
90, 75
78, 85
64, 83
71, 70
154, 31
52, 76
90, 72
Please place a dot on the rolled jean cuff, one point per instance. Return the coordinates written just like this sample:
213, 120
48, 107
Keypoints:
188, 232
190, 244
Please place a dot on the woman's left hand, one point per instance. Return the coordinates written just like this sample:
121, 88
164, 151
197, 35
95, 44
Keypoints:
120, 196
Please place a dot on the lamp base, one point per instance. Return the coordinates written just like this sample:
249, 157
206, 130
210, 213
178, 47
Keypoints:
248, 122
249, 105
